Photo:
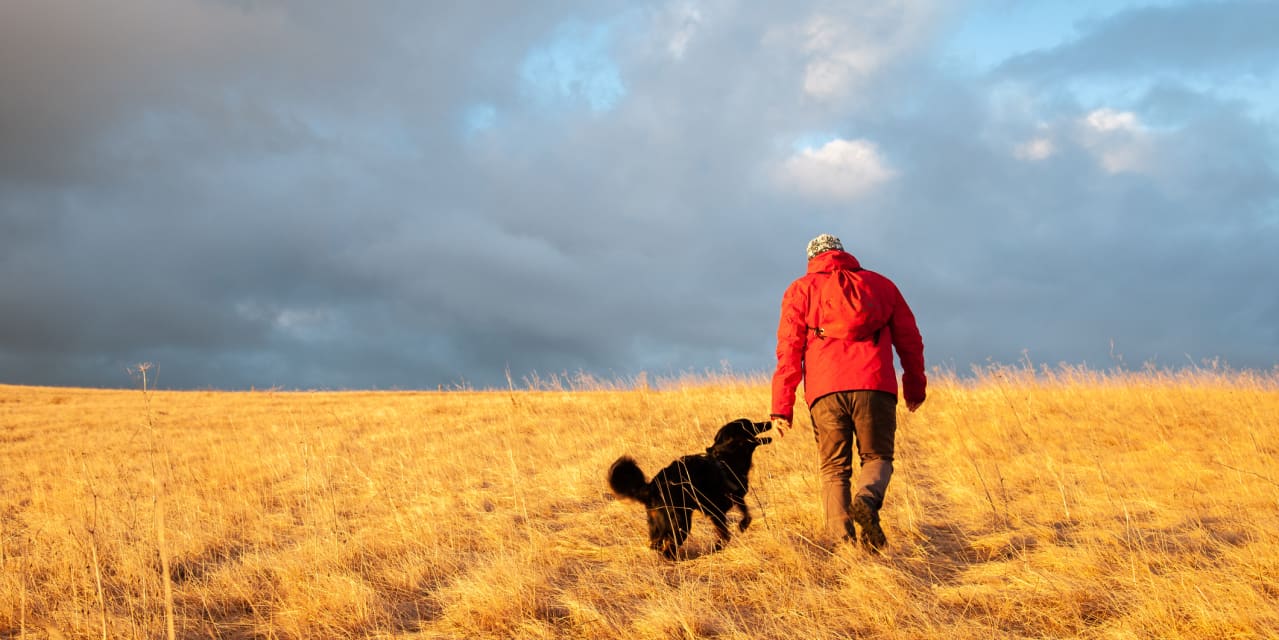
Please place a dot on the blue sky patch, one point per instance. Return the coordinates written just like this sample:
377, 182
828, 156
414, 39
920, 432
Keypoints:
575, 65
478, 117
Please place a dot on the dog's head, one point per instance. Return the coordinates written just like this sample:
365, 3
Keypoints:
740, 435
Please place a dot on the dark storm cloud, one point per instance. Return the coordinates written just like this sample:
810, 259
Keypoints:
207, 180
300, 194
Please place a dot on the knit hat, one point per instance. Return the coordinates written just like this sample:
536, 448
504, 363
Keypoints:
822, 244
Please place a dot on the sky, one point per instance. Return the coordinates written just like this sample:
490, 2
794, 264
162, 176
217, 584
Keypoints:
380, 194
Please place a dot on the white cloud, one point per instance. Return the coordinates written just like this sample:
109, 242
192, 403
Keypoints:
839, 170
1118, 139
837, 57
1040, 148
845, 49
1106, 120
685, 21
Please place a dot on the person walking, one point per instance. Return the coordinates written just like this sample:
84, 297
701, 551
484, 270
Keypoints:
839, 326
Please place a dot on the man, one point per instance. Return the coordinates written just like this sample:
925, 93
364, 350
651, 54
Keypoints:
839, 326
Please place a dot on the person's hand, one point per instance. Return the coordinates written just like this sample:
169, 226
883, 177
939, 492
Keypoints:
781, 425
911, 406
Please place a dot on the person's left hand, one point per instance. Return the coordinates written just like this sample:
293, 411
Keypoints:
781, 425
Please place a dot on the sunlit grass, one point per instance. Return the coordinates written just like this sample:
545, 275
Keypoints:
1051, 503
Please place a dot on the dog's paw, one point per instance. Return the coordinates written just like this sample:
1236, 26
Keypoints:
746, 522
668, 549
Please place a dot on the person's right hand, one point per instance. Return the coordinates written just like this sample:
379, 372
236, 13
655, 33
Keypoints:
913, 405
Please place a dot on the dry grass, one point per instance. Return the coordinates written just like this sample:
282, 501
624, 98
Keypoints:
1064, 504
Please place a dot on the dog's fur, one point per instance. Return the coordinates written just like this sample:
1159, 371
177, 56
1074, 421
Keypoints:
713, 483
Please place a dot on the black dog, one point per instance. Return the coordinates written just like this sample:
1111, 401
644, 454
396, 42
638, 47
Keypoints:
713, 483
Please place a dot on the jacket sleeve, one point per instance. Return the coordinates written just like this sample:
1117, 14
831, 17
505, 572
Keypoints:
792, 339
910, 349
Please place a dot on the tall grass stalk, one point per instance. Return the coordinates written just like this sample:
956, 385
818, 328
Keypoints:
159, 486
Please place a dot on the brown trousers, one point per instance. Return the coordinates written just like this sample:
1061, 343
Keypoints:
840, 420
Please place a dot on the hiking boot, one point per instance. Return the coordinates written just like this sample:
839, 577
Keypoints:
867, 517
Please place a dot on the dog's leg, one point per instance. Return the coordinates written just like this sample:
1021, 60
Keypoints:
661, 531
719, 519
668, 527
681, 524
740, 503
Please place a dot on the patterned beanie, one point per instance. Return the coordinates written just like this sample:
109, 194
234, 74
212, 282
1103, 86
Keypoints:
822, 244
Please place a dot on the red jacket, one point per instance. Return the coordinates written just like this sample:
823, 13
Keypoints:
828, 365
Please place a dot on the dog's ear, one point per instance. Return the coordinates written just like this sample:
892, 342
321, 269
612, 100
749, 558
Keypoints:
739, 430
728, 431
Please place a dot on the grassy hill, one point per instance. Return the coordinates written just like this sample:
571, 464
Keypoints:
1066, 503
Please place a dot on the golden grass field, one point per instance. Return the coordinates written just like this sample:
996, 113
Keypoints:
1063, 503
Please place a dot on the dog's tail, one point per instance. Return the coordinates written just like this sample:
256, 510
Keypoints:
627, 480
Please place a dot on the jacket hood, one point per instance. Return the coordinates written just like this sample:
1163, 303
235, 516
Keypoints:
832, 261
